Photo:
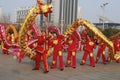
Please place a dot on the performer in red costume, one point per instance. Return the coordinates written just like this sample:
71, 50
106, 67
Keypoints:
41, 54
88, 49
30, 37
117, 48
5, 47
116, 45
101, 51
0, 41
72, 48
57, 52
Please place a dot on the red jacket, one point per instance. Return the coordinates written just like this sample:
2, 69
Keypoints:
116, 45
72, 43
84, 34
57, 42
40, 45
102, 46
89, 44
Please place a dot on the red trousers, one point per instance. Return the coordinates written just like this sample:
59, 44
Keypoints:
54, 62
103, 56
71, 55
86, 53
41, 57
5, 51
118, 60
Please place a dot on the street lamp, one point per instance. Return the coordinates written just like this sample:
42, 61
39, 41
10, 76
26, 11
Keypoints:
103, 8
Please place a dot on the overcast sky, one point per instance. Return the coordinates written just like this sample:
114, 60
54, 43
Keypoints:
90, 9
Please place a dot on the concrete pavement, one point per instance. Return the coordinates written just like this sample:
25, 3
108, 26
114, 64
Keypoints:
10, 69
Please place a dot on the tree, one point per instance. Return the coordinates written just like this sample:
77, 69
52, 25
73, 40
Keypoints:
110, 32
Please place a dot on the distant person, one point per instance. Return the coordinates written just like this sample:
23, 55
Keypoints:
89, 45
72, 48
41, 54
101, 51
116, 43
57, 51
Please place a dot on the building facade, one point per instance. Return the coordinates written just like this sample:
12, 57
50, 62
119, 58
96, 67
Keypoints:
68, 10
21, 13
107, 25
64, 13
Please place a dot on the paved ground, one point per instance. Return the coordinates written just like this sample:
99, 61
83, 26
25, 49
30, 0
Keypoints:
10, 69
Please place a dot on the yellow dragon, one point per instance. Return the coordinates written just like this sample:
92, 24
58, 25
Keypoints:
43, 8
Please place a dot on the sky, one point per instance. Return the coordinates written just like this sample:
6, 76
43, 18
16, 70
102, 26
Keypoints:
89, 9
9, 6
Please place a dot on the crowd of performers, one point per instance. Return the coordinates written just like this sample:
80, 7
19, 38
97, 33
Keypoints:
56, 42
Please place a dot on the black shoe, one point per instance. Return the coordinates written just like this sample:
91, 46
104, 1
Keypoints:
46, 71
92, 65
61, 69
81, 64
35, 69
74, 67
67, 66
52, 67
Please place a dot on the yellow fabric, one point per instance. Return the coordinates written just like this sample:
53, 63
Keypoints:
109, 59
2, 45
83, 61
73, 53
91, 43
68, 61
55, 42
53, 62
45, 8
117, 56
70, 41
50, 5
18, 54
103, 52
60, 53
13, 38
91, 54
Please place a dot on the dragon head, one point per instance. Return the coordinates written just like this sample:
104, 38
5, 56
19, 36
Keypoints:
46, 8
